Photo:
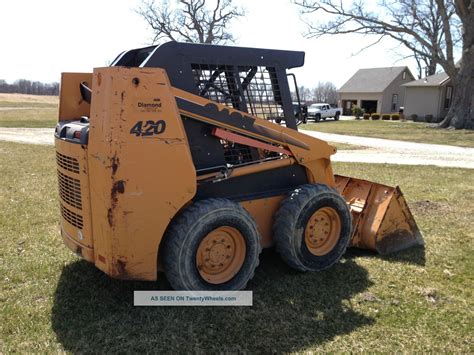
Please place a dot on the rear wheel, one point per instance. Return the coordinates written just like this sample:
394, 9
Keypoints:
312, 228
212, 245
336, 117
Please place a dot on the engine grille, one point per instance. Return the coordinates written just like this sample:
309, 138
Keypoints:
67, 163
71, 217
70, 190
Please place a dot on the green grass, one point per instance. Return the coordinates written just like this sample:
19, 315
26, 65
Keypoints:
18, 104
344, 146
417, 300
405, 131
31, 111
31, 118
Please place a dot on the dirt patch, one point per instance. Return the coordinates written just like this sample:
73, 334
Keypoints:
430, 207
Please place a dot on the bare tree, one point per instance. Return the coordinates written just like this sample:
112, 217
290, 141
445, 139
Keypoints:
325, 92
431, 29
193, 21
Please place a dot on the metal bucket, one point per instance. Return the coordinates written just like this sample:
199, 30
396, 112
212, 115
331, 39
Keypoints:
381, 219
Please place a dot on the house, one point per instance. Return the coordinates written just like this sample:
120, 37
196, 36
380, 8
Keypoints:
429, 96
375, 90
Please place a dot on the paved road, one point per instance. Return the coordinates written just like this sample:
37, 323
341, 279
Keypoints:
377, 150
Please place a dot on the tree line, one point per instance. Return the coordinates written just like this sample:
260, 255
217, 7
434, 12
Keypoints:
323, 92
23, 86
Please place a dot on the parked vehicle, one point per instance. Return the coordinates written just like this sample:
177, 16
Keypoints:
301, 112
319, 112
166, 176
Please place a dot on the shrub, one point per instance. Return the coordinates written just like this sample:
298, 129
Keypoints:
375, 116
429, 118
385, 116
357, 112
366, 116
414, 117
395, 116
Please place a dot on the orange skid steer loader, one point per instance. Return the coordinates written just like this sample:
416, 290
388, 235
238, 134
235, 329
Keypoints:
171, 160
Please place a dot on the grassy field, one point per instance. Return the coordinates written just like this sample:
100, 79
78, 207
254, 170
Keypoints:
405, 131
417, 300
17, 110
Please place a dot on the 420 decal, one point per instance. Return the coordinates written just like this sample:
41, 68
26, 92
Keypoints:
148, 128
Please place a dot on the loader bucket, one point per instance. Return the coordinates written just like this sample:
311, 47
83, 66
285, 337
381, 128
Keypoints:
381, 219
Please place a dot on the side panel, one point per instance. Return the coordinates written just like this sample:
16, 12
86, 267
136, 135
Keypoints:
71, 105
141, 172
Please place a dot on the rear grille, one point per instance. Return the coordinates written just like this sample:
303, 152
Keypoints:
71, 217
70, 190
68, 163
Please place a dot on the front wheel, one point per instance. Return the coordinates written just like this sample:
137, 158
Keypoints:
212, 245
336, 117
312, 228
317, 118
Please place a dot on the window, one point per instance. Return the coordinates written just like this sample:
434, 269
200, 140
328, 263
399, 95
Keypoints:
447, 99
394, 102
404, 75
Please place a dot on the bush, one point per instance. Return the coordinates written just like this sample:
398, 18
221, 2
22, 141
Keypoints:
414, 117
395, 116
375, 116
357, 112
386, 117
366, 116
429, 119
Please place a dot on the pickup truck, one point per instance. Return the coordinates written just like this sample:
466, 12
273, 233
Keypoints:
322, 111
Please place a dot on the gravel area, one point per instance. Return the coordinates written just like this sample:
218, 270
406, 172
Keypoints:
386, 151
381, 151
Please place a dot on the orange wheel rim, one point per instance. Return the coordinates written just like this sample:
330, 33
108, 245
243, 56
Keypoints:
322, 231
221, 254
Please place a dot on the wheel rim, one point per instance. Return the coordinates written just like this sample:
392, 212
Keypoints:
322, 231
221, 254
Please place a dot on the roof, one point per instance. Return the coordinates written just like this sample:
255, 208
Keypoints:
372, 79
432, 80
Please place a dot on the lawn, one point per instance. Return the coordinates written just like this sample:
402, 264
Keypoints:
405, 131
33, 111
417, 300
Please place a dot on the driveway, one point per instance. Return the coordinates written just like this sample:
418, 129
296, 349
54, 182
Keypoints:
28, 135
381, 151
385, 151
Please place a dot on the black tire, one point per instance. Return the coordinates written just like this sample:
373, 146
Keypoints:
292, 218
184, 235
317, 118
278, 120
336, 118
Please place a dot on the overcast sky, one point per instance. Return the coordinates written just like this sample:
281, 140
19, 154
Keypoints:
42, 38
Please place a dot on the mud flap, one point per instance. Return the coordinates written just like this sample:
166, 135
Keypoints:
381, 219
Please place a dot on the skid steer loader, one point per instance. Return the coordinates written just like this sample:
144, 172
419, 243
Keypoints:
171, 160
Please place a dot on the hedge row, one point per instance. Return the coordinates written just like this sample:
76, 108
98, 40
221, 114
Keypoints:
385, 116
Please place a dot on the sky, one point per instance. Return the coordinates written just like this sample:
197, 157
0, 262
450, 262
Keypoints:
42, 38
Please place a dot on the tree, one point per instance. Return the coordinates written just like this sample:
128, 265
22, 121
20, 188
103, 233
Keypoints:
325, 92
431, 29
192, 21
23, 86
